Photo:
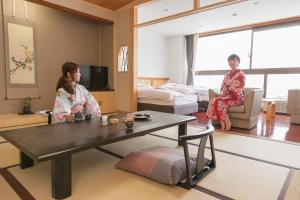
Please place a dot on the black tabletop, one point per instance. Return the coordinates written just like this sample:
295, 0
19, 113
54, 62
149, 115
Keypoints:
47, 141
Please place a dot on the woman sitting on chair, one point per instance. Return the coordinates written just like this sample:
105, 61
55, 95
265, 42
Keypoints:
232, 94
72, 98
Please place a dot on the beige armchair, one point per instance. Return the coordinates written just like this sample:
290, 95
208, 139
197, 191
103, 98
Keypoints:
244, 116
294, 106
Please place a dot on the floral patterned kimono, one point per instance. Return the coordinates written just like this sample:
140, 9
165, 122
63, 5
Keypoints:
232, 94
66, 104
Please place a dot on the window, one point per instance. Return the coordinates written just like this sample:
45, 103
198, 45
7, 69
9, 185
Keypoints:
254, 81
276, 48
279, 84
213, 51
209, 81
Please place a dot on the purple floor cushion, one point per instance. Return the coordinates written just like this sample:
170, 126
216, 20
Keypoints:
162, 164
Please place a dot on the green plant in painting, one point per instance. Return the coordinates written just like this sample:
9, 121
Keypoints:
24, 61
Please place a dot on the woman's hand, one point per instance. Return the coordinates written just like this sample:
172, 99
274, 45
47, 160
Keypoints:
69, 118
77, 108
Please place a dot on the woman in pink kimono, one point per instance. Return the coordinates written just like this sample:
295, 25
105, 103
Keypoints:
232, 94
71, 97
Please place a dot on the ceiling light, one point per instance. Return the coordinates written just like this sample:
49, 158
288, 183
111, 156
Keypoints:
234, 14
255, 2
166, 10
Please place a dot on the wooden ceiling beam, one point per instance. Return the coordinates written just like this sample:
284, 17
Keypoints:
191, 12
293, 19
133, 4
81, 8
110, 4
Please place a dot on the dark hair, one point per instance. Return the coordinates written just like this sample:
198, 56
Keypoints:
233, 57
63, 81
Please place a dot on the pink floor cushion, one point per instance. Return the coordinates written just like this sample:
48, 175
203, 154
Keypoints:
162, 164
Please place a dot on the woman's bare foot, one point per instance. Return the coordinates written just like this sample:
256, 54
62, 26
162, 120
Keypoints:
222, 123
228, 125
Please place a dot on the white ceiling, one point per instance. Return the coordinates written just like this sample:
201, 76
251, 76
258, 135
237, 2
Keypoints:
162, 8
247, 12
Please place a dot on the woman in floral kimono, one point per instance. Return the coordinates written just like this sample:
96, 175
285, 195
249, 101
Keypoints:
71, 97
232, 94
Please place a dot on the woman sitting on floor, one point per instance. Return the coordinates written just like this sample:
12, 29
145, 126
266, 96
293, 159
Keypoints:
71, 97
232, 94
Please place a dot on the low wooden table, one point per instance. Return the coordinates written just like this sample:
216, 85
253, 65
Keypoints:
57, 142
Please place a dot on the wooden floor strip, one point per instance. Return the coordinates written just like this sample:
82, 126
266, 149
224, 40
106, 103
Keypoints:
235, 132
110, 153
286, 185
21, 191
235, 154
11, 166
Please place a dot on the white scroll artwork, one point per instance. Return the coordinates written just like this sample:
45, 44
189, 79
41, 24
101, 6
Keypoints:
21, 54
123, 59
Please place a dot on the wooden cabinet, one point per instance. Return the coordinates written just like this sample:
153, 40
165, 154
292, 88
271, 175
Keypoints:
106, 101
15, 120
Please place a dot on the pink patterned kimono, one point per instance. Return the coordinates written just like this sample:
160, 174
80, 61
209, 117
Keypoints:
232, 94
81, 101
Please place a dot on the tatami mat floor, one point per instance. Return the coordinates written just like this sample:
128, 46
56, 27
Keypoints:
236, 176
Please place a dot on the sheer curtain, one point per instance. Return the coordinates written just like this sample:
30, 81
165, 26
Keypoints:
191, 52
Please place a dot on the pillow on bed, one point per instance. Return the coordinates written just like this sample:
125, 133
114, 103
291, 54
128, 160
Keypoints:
143, 85
162, 164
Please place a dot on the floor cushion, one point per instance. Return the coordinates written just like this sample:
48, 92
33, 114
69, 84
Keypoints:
162, 164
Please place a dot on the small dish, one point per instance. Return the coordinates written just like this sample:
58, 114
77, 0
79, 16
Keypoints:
142, 116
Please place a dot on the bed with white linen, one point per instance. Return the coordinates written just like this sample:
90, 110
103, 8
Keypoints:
201, 92
165, 100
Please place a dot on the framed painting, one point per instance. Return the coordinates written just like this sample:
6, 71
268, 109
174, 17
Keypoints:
20, 53
123, 59
21, 70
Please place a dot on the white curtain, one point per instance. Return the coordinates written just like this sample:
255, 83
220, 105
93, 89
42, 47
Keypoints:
191, 52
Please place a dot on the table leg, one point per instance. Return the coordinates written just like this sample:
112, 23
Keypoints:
25, 161
61, 170
182, 130
212, 150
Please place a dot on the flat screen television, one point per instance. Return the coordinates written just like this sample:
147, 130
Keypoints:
94, 77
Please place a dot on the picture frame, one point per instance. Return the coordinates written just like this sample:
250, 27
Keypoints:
123, 59
21, 68
20, 43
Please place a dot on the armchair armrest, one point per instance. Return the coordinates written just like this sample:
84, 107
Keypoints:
293, 99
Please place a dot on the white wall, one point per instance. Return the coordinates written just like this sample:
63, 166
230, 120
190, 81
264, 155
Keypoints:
161, 56
152, 54
177, 69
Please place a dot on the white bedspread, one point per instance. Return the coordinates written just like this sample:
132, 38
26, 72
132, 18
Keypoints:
201, 92
149, 93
